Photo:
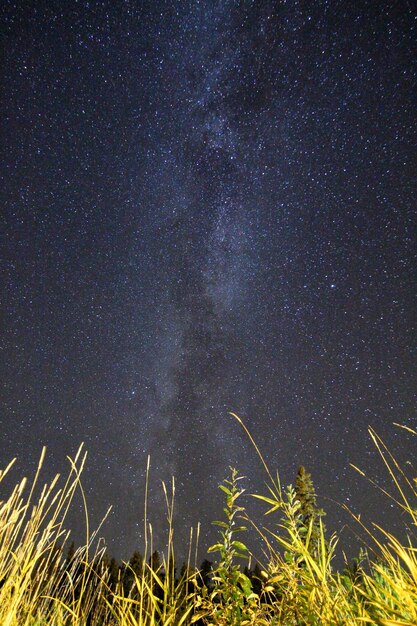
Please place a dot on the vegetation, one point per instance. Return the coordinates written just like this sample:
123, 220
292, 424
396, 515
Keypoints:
44, 581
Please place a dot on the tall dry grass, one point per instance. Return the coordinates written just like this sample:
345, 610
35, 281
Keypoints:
296, 585
37, 585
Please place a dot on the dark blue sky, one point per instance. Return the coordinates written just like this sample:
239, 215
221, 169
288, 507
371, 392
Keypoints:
209, 206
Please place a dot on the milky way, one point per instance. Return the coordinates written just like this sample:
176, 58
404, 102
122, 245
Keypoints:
209, 207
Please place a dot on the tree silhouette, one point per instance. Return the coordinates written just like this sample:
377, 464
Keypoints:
132, 571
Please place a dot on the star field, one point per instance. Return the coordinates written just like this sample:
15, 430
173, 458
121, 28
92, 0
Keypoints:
209, 206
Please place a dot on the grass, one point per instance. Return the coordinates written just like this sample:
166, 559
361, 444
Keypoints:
40, 585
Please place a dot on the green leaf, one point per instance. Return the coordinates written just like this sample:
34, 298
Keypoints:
275, 504
215, 548
246, 584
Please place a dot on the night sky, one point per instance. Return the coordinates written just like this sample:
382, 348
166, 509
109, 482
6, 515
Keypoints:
209, 206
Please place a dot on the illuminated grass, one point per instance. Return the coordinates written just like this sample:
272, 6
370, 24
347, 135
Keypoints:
296, 585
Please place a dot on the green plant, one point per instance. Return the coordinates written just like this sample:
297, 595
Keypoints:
233, 601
